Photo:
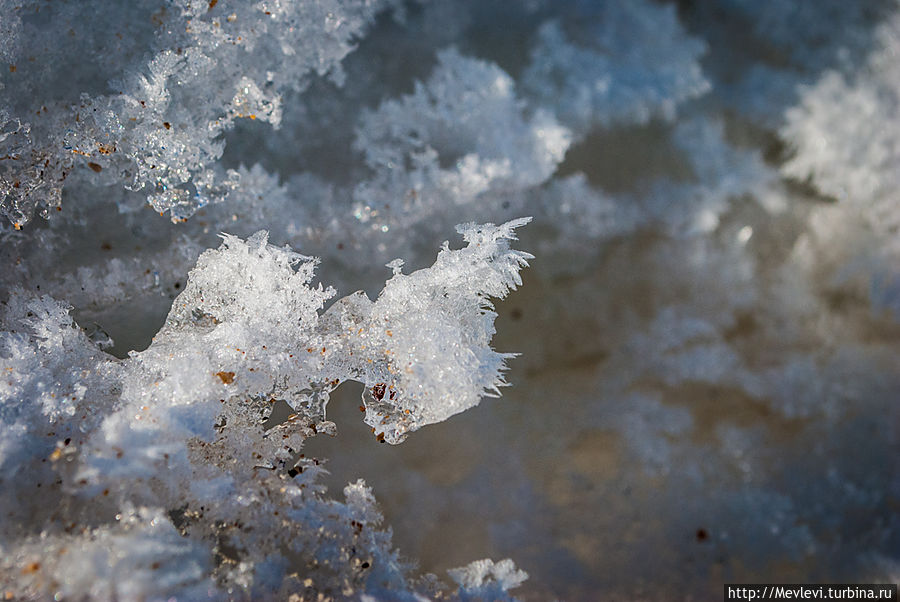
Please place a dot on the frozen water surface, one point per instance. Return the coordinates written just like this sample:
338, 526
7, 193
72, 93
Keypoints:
681, 370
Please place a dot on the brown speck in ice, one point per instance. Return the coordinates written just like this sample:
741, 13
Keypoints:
31, 568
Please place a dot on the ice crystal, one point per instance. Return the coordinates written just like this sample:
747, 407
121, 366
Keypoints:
487, 580
461, 135
859, 109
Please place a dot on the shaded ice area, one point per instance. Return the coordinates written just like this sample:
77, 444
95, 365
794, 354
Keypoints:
708, 331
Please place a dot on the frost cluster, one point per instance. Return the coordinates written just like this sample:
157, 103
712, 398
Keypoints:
151, 132
708, 331
170, 463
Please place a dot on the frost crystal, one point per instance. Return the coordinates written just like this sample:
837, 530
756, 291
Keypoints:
843, 137
843, 129
460, 135
422, 348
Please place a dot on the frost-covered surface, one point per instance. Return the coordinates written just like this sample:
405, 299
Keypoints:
151, 130
842, 131
708, 336
175, 439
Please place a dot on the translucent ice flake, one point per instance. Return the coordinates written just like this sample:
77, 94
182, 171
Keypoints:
29, 176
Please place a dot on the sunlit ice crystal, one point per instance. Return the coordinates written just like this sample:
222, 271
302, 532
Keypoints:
422, 347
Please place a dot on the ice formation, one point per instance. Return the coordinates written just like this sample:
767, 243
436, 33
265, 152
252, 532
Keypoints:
707, 332
174, 439
466, 116
603, 77
150, 130
842, 132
